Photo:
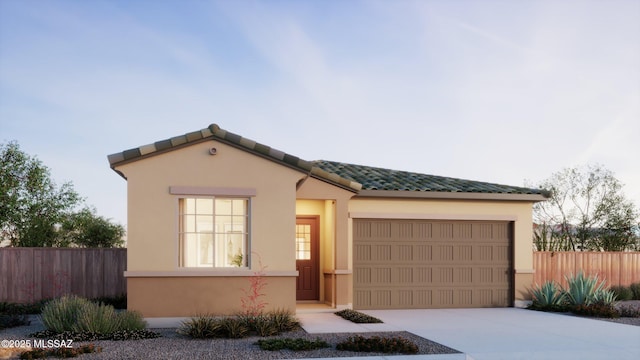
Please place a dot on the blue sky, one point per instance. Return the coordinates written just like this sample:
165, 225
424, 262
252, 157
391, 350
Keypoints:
498, 91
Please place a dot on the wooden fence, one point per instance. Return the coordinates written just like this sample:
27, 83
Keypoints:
32, 274
616, 268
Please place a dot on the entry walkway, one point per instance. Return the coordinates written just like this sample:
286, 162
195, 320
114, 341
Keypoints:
495, 334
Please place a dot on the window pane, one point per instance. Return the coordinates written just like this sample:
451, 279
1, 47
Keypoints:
213, 232
223, 206
204, 206
189, 206
303, 242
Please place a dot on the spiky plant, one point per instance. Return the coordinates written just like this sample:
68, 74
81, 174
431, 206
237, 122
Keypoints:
549, 294
581, 289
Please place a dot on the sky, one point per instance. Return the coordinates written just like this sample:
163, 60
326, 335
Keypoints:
499, 91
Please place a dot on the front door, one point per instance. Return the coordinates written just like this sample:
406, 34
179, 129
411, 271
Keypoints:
307, 258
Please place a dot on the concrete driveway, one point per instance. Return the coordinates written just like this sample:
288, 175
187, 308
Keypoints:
493, 334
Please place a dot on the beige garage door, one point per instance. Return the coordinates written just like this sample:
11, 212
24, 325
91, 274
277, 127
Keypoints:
424, 264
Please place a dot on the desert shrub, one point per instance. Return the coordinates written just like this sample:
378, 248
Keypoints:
235, 327
283, 320
596, 309
378, 344
131, 320
581, 290
201, 327
13, 320
79, 315
548, 295
60, 352
357, 317
635, 289
622, 292
62, 314
263, 325
298, 344
118, 302
91, 336
97, 318
7, 308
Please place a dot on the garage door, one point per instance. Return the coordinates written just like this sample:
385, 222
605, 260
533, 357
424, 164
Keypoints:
423, 264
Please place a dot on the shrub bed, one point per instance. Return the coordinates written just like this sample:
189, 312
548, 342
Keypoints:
239, 326
378, 344
298, 344
358, 317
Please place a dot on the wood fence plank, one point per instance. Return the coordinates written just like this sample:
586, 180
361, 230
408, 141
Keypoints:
617, 268
33, 274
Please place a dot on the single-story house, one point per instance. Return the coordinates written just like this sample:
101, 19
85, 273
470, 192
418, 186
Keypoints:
209, 210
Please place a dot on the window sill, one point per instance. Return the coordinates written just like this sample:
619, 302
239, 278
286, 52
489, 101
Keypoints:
207, 273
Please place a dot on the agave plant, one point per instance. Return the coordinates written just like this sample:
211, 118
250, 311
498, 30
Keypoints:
604, 296
581, 290
548, 294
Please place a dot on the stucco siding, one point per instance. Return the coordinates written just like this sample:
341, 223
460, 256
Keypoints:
153, 211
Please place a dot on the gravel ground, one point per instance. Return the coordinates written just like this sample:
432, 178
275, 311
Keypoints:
173, 346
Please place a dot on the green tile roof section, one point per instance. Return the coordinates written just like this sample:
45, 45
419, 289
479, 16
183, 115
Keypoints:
373, 178
214, 132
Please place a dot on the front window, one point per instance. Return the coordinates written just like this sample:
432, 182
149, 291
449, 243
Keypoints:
213, 232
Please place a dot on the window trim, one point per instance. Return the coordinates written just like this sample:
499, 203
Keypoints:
183, 192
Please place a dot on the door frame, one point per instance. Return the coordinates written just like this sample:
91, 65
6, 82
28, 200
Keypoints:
315, 255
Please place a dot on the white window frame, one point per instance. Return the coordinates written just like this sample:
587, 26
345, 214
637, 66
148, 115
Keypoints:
213, 194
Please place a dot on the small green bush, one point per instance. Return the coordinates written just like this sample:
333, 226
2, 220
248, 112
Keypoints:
91, 336
283, 320
235, 327
597, 309
378, 344
622, 293
357, 317
79, 315
298, 344
239, 326
62, 314
60, 352
635, 289
7, 308
13, 320
97, 318
201, 327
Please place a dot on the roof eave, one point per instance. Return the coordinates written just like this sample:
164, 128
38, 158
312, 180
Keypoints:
449, 195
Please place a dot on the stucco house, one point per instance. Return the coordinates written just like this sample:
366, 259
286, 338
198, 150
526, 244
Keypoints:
209, 209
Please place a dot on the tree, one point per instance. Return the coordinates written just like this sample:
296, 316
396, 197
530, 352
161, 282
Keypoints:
34, 212
86, 229
587, 210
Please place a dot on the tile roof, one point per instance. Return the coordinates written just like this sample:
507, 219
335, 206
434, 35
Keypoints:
214, 132
348, 176
373, 178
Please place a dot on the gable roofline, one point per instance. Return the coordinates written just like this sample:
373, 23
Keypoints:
214, 132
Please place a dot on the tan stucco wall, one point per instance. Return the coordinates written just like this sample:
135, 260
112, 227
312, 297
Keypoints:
153, 227
519, 212
191, 296
153, 211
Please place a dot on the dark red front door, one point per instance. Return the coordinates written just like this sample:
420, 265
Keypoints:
307, 259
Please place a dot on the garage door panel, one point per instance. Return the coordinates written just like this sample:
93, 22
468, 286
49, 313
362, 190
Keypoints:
431, 264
